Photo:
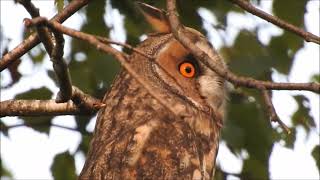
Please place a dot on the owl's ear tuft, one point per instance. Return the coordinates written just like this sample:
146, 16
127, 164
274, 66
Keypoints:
156, 17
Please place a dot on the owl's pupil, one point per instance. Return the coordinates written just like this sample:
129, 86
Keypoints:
188, 69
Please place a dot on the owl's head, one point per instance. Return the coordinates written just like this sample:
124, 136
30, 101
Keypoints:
176, 70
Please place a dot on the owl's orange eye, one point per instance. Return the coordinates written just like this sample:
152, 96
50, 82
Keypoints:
187, 69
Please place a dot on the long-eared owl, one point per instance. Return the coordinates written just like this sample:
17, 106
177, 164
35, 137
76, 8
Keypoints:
136, 137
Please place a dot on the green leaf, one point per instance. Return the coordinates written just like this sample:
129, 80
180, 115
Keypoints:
221, 8
248, 128
41, 93
248, 56
4, 172
316, 78
40, 124
290, 139
292, 12
302, 116
254, 169
59, 4
4, 128
84, 144
316, 155
278, 49
82, 122
283, 48
63, 167
37, 55
287, 139
95, 23
219, 174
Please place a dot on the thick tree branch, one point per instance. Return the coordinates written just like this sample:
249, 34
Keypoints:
61, 70
81, 104
246, 5
33, 39
179, 32
37, 108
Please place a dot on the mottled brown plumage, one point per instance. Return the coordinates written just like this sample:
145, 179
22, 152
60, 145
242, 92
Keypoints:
138, 138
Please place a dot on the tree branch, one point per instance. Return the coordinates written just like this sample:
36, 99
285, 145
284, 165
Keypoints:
42, 31
33, 39
179, 33
37, 108
122, 58
81, 104
54, 47
61, 70
108, 41
246, 5
272, 112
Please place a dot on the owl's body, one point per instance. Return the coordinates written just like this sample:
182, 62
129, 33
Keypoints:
136, 137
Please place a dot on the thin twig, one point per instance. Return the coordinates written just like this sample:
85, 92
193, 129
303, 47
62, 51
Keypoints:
64, 127
108, 41
246, 5
179, 32
33, 39
272, 112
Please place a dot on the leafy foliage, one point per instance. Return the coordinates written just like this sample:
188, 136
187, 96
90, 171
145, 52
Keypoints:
316, 155
302, 116
41, 93
250, 60
63, 167
4, 172
316, 78
247, 128
59, 4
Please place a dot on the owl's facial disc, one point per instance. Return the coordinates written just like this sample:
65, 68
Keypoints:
185, 76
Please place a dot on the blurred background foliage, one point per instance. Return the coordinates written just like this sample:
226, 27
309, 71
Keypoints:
247, 127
